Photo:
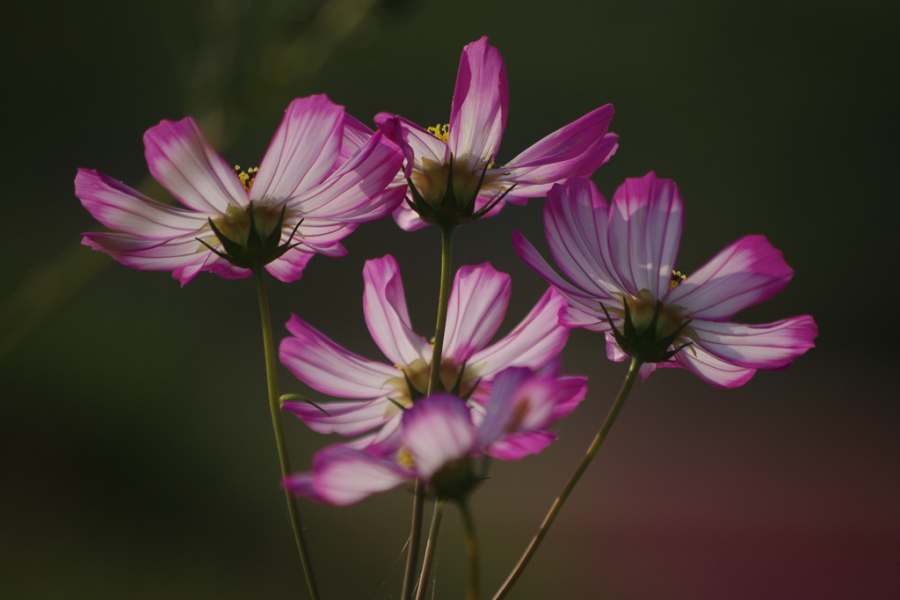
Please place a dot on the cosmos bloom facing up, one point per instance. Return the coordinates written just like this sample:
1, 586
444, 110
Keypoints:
471, 141
322, 175
477, 306
437, 439
622, 258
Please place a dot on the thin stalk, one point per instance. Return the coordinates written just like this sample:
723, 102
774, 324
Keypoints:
275, 407
471, 550
444, 300
415, 533
434, 380
558, 503
429, 549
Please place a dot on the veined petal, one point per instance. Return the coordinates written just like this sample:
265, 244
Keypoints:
417, 144
354, 193
325, 366
345, 418
533, 259
303, 150
744, 273
575, 222
646, 218
344, 476
574, 150
520, 445
571, 316
387, 317
407, 218
770, 346
710, 369
185, 163
480, 102
534, 341
185, 256
438, 430
477, 306
126, 210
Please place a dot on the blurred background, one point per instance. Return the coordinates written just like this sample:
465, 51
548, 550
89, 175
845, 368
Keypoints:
136, 452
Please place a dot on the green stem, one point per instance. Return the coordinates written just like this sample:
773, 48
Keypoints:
444, 300
558, 503
415, 533
429, 549
434, 382
471, 550
275, 407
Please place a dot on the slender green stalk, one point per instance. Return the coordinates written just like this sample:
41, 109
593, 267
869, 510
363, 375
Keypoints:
443, 302
415, 533
558, 503
275, 407
429, 549
434, 380
471, 550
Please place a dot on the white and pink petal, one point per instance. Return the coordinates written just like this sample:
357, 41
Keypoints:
478, 302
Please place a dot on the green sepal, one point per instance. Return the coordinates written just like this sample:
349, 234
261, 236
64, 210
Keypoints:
285, 397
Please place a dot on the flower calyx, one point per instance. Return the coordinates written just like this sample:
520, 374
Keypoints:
645, 342
457, 204
455, 480
257, 240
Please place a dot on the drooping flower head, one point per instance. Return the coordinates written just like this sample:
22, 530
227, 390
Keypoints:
477, 306
322, 176
621, 260
438, 439
451, 167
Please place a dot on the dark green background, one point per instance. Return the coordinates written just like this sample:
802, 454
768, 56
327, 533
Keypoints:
136, 454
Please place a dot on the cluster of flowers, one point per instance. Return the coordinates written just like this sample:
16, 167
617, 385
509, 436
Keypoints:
325, 173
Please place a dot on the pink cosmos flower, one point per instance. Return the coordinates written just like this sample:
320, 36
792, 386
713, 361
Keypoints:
477, 306
623, 256
322, 175
472, 139
438, 436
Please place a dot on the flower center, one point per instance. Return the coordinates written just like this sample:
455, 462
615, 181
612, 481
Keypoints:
235, 222
677, 278
247, 176
643, 307
419, 373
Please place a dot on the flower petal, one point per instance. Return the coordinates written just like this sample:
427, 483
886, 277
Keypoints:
646, 218
534, 341
126, 210
577, 149
325, 366
185, 163
354, 193
303, 150
771, 346
384, 304
345, 418
533, 259
438, 430
710, 369
416, 143
575, 222
520, 445
344, 476
480, 102
744, 273
477, 306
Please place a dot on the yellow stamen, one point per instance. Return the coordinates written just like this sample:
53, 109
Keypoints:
246, 178
441, 132
677, 278
405, 459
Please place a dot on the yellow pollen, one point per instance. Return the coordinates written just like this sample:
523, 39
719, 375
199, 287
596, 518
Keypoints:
677, 278
405, 459
246, 177
441, 132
